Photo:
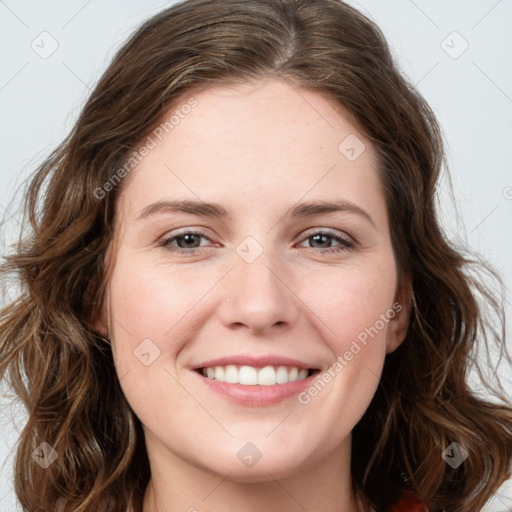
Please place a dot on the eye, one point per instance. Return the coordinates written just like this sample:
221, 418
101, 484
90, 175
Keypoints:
189, 242
325, 238
185, 242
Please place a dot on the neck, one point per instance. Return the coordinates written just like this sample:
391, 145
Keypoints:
177, 486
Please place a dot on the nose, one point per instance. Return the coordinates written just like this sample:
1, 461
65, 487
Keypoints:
258, 296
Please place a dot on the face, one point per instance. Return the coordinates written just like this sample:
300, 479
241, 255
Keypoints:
254, 293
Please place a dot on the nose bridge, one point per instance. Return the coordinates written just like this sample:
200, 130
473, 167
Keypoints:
258, 277
254, 293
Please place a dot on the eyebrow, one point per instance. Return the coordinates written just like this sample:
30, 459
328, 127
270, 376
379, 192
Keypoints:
313, 208
199, 208
205, 209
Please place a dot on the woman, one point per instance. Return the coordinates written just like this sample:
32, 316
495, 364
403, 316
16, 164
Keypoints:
181, 343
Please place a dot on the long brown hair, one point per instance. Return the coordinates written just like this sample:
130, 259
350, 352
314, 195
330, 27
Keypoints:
64, 373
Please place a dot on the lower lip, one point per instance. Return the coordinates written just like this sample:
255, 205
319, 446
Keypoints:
257, 396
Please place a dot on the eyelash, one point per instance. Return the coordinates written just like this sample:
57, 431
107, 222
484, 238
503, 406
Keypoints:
345, 244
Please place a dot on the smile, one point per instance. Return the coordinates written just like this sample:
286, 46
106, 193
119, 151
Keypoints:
252, 386
252, 376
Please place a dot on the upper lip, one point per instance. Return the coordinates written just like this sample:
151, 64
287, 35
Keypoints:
257, 362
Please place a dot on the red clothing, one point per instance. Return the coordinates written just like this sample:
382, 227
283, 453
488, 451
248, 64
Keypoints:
408, 503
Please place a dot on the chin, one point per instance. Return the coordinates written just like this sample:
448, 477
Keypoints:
251, 466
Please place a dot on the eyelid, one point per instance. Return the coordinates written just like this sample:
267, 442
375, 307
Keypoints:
346, 241
331, 232
164, 240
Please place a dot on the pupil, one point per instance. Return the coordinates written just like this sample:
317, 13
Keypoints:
317, 237
188, 239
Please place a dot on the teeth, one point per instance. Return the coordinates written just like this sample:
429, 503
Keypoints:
282, 375
267, 376
247, 375
219, 373
251, 376
231, 374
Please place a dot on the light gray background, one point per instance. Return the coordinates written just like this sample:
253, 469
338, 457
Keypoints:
470, 92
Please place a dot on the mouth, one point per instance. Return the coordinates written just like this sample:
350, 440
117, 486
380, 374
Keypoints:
259, 384
246, 375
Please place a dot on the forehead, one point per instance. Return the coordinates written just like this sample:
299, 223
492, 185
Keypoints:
249, 143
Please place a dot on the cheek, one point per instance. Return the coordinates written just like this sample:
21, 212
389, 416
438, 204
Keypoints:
169, 304
155, 311
151, 300
352, 301
355, 309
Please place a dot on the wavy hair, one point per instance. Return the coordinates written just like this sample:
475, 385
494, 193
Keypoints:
64, 374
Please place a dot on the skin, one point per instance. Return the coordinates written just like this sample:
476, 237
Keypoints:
257, 150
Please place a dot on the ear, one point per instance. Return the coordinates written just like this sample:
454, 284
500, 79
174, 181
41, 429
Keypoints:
100, 316
399, 323
101, 319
